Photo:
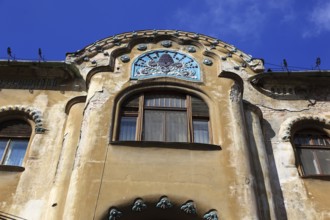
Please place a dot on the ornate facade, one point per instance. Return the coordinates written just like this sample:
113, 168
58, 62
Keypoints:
162, 125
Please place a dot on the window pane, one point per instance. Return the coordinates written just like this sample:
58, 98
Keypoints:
201, 131
199, 107
176, 126
308, 161
132, 102
153, 126
165, 100
323, 157
3, 144
16, 152
127, 129
327, 140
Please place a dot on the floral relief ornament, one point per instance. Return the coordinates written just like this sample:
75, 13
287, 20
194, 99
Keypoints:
139, 205
189, 207
164, 203
114, 214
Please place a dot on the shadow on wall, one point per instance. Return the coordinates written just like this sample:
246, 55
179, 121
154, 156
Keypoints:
275, 182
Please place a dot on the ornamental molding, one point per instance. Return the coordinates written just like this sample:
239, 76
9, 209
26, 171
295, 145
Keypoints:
120, 44
189, 207
114, 214
165, 63
163, 204
32, 113
286, 127
139, 205
211, 215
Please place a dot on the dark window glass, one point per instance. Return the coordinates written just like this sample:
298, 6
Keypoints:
3, 144
201, 131
127, 128
313, 152
154, 126
176, 126
14, 140
15, 152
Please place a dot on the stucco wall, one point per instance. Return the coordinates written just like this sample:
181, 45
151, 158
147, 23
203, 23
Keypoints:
77, 169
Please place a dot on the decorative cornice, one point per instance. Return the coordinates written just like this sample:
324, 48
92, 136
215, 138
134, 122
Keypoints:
33, 113
286, 127
123, 43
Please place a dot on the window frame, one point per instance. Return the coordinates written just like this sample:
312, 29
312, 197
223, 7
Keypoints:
313, 148
10, 138
139, 114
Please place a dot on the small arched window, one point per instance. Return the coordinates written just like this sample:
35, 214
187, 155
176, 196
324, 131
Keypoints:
14, 138
165, 117
313, 152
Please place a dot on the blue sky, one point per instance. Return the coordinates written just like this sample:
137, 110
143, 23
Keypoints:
297, 30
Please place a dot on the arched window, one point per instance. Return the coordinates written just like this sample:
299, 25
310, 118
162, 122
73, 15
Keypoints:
313, 152
165, 117
14, 139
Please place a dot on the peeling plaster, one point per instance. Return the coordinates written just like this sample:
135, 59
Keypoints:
95, 103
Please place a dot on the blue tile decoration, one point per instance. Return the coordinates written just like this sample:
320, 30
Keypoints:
166, 63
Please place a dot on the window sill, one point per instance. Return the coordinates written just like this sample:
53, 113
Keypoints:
317, 176
10, 168
173, 145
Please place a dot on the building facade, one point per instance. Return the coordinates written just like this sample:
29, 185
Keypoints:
162, 125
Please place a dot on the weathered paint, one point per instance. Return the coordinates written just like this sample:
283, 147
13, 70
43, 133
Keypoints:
75, 171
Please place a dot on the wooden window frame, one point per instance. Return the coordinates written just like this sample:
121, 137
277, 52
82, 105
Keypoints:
306, 133
9, 137
141, 109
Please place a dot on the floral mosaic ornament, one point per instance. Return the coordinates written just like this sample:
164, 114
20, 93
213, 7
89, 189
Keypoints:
167, 63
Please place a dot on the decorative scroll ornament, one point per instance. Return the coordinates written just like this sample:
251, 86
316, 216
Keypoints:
211, 215
162, 63
114, 214
139, 205
164, 203
189, 207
